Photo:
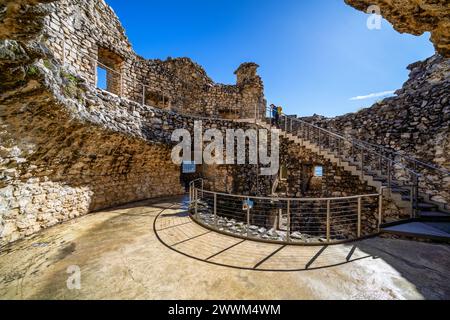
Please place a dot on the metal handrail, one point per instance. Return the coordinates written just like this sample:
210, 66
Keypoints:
292, 199
430, 166
192, 187
342, 222
351, 140
364, 143
366, 147
385, 160
354, 142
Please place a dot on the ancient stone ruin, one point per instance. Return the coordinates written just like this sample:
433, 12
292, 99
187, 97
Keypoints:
68, 148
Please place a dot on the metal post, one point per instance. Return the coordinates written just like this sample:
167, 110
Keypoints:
196, 202
248, 217
215, 209
380, 209
362, 164
390, 176
288, 230
359, 216
411, 200
381, 164
416, 195
203, 187
329, 221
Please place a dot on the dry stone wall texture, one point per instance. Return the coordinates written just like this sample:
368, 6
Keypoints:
415, 122
82, 32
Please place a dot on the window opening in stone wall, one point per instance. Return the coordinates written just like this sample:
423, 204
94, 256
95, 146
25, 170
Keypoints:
318, 171
109, 71
102, 82
157, 100
228, 113
189, 167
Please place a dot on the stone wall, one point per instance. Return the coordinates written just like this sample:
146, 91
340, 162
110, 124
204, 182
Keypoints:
80, 33
69, 149
302, 182
415, 122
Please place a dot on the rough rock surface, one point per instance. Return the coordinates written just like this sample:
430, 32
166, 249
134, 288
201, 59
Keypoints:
415, 17
68, 148
415, 122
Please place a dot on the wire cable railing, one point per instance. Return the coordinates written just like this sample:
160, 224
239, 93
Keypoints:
411, 178
310, 221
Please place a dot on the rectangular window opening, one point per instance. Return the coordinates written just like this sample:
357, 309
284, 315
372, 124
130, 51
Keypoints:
109, 71
102, 76
189, 167
318, 171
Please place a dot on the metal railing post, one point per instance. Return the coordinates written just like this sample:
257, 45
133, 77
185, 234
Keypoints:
381, 164
362, 164
329, 221
380, 209
196, 202
411, 200
203, 187
248, 217
359, 216
215, 210
416, 194
390, 176
288, 231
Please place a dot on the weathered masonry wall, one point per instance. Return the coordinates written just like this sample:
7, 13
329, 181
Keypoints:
85, 33
302, 182
415, 122
68, 148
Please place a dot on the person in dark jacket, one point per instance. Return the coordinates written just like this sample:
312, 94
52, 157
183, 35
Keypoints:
274, 114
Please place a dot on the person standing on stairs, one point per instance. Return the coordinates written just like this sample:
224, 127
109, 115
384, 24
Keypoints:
279, 113
274, 114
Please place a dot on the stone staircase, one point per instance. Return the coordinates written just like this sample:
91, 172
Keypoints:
428, 220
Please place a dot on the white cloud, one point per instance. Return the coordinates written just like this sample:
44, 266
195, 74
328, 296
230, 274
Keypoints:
373, 95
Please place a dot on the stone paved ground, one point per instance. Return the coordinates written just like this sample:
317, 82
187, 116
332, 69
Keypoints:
121, 256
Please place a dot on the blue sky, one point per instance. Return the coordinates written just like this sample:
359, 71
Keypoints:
315, 55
